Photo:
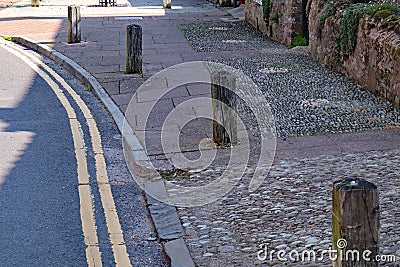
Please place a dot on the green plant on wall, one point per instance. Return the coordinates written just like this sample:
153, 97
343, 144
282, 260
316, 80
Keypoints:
347, 38
267, 7
299, 40
390, 7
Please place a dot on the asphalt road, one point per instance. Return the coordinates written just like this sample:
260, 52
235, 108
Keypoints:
42, 207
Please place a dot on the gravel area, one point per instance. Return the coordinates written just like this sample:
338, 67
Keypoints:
306, 97
291, 210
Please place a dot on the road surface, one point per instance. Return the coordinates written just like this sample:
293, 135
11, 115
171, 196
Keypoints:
66, 196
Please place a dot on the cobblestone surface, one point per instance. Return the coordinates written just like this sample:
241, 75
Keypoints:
306, 98
310, 99
291, 210
222, 36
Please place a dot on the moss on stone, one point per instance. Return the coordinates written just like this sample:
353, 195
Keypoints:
267, 7
382, 14
391, 22
373, 9
327, 13
275, 17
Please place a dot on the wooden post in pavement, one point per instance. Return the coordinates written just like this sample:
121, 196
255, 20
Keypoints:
355, 223
74, 24
166, 3
35, 3
223, 85
134, 49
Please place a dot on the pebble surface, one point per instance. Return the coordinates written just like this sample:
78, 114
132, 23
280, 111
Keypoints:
306, 97
291, 210
222, 36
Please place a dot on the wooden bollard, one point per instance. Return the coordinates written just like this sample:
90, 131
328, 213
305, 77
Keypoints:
134, 49
166, 3
223, 85
74, 24
225, 3
355, 223
35, 3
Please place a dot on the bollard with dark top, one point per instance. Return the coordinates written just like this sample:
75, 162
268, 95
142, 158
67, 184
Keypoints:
223, 85
134, 49
166, 3
74, 24
35, 3
355, 223
106, 3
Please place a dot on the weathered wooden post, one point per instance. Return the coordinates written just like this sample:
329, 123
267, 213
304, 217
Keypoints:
223, 85
134, 49
355, 223
225, 3
35, 3
74, 24
166, 3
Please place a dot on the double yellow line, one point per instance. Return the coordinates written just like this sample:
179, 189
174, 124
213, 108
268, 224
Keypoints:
93, 254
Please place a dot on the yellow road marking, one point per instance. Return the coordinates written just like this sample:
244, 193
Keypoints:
113, 225
102, 177
83, 174
93, 255
96, 139
88, 223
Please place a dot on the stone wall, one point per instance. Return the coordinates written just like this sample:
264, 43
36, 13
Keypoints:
284, 21
375, 63
254, 15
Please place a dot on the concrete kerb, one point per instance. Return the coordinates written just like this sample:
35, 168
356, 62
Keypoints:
174, 247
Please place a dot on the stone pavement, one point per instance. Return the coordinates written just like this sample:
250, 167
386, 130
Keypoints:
229, 231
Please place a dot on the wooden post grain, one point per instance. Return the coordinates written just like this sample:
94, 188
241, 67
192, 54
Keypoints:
134, 49
166, 3
74, 24
355, 223
223, 85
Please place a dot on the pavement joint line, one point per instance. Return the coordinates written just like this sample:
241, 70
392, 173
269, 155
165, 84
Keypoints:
130, 138
93, 255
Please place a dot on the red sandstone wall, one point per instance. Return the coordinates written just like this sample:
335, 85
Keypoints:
284, 21
375, 63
